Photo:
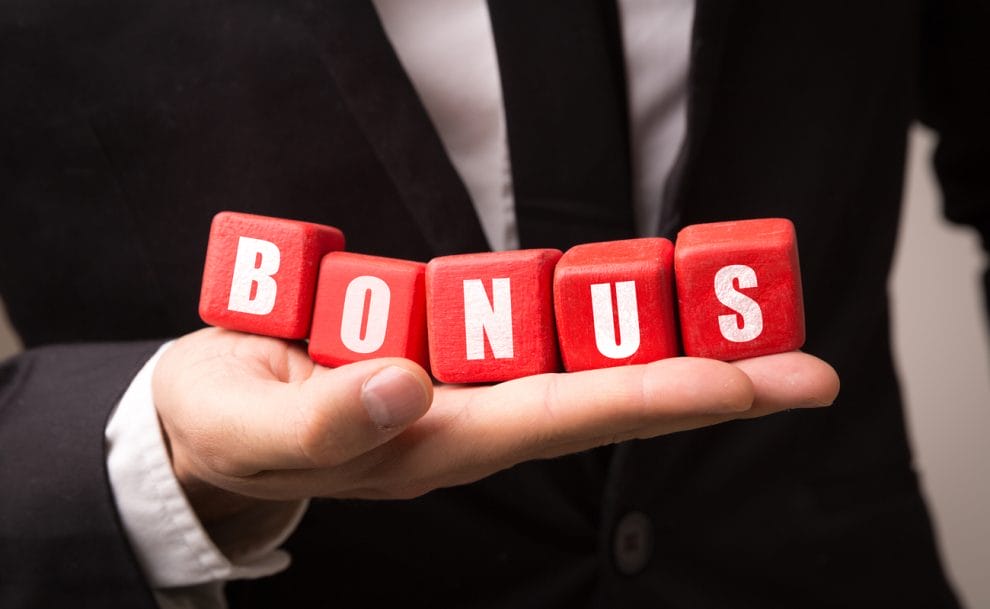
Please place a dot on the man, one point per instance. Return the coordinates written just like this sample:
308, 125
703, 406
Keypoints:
133, 124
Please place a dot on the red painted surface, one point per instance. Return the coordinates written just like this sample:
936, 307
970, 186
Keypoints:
300, 247
385, 302
465, 350
761, 308
634, 295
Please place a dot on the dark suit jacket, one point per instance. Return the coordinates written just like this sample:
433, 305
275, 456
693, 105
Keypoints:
124, 125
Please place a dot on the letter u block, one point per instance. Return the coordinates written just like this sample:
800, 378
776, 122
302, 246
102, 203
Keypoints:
739, 289
490, 316
260, 273
369, 306
615, 303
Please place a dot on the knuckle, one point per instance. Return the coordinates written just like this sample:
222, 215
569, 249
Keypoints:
313, 446
314, 442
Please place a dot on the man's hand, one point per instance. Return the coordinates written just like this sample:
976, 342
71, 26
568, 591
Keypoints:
250, 417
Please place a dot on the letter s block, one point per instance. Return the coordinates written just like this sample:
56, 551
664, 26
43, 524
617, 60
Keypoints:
260, 273
739, 289
369, 306
490, 316
615, 303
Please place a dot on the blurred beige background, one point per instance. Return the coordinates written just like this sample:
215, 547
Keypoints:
941, 341
940, 331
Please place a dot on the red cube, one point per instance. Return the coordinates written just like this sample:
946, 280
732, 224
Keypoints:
366, 307
490, 316
739, 289
260, 273
615, 303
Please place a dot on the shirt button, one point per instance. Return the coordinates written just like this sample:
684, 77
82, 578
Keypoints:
632, 545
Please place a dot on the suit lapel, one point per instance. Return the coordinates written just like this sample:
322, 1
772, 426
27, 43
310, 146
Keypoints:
708, 35
383, 102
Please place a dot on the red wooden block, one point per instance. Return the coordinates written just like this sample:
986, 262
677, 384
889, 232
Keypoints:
490, 315
739, 289
615, 303
260, 273
368, 306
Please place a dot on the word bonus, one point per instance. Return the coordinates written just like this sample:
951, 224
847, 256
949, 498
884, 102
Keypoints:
726, 290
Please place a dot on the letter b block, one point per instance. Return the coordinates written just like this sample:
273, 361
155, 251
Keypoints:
490, 316
368, 306
615, 303
739, 289
260, 273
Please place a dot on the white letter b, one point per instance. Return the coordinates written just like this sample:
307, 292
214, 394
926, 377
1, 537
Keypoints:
255, 263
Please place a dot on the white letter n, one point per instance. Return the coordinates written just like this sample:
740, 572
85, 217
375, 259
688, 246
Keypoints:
493, 319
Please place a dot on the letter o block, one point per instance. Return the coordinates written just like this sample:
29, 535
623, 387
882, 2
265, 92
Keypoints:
260, 273
490, 316
366, 307
739, 289
615, 303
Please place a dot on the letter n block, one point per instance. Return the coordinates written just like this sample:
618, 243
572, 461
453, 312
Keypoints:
260, 273
369, 306
490, 316
615, 303
739, 289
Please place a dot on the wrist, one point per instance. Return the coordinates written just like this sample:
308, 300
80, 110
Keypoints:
210, 503
226, 516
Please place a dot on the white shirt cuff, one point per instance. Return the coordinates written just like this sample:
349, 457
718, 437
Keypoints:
170, 542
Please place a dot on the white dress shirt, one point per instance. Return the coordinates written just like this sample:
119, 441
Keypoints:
447, 49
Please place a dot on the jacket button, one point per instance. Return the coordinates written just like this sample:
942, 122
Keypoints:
632, 545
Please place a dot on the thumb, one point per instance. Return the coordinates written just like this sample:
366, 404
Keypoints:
245, 423
347, 411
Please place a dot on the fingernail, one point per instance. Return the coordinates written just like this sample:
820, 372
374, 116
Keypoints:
393, 397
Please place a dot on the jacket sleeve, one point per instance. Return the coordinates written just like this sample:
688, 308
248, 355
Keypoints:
955, 101
61, 541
